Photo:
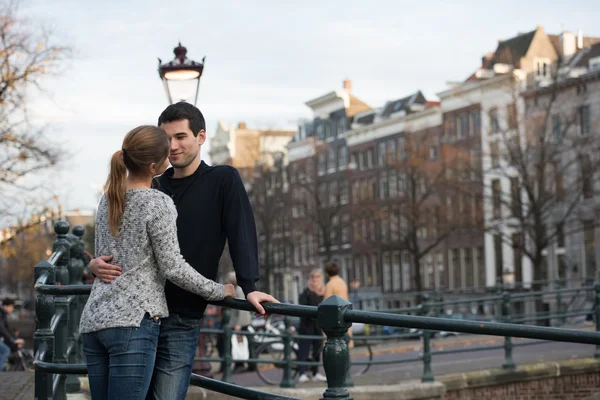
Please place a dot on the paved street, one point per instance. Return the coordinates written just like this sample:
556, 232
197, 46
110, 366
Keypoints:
19, 385
444, 363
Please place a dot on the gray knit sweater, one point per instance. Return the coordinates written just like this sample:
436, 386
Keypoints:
147, 250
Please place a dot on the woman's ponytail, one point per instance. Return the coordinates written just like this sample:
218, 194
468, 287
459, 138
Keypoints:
115, 190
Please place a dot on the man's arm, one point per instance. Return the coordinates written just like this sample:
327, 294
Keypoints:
240, 230
8, 337
100, 267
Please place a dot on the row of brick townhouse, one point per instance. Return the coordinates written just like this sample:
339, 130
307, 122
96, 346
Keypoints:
451, 194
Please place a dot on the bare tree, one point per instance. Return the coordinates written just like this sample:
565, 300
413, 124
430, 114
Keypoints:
28, 54
436, 195
548, 155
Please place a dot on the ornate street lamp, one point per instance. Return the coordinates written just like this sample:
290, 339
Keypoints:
180, 75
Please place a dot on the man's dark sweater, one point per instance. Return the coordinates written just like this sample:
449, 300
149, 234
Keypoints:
212, 206
5, 331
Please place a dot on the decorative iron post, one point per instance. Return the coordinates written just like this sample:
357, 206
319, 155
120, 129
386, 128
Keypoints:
43, 338
427, 374
597, 307
62, 304
75, 305
508, 346
227, 346
287, 381
336, 356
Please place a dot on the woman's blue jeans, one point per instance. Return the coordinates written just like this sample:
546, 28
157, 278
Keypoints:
120, 361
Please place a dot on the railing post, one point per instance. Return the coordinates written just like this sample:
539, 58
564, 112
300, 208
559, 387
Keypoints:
597, 306
427, 374
508, 346
226, 346
75, 271
336, 357
288, 380
43, 336
62, 305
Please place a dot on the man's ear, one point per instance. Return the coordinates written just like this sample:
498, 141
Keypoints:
201, 137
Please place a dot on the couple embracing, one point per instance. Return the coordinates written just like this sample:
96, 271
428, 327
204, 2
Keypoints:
158, 244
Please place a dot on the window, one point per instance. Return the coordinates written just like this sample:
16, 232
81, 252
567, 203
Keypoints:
480, 266
387, 272
397, 272
494, 124
589, 245
328, 130
462, 126
469, 267
342, 157
384, 224
383, 185
561, 260
393, 183
322, 163
322, 194
320, 131
341, 125
441, 282
391, 152
556, 132
496, 199
394, 228
344, 195
381, 153
333, 230
375, 271
401, 182
495, 154
456, 268
333, 193
331, 160
587, 184
542, 68
498, 256
475, 122
402, 148
560, 235
584, 120
433, 153
370, 158
345, 234
515, 197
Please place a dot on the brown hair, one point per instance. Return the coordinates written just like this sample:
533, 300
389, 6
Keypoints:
332, 269
141, 147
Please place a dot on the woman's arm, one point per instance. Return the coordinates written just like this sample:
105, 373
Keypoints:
163, 236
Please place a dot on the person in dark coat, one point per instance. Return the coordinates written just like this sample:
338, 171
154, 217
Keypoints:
10, 342
311, 296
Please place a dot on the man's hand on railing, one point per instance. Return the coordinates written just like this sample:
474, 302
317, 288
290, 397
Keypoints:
20, 343
256, 297
100, 267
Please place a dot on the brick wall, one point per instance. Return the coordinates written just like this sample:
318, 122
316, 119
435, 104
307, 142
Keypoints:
566, 387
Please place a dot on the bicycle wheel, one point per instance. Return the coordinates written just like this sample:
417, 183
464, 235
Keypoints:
272, 374
363, 356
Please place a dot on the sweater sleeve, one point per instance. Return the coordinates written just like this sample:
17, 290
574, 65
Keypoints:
162, 231
240, 229
7, 335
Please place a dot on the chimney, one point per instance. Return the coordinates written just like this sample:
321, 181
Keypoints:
241, 125
579, 39
567, 44
347, 85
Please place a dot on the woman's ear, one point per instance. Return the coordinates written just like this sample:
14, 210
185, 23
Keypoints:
153, 168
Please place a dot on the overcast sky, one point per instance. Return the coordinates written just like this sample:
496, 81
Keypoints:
264, 59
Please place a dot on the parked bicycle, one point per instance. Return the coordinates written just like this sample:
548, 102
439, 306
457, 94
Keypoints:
20, 360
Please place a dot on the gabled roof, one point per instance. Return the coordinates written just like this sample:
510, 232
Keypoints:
587, 42
511, 51
403, 104
582, 58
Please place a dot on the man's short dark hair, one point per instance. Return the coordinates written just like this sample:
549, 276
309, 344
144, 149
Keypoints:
8, 302
180, 111
332, 269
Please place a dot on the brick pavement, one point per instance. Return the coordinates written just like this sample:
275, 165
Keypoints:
16, 385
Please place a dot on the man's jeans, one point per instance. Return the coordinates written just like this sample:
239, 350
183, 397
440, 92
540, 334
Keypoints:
4, 353
174, 358
120, 360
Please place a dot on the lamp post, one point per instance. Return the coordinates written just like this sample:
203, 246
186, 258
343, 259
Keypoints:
181, 75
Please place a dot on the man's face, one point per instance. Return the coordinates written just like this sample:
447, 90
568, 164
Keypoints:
185, 147
9, 309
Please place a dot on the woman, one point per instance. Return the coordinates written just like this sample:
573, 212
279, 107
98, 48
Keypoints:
311, 296
136, 225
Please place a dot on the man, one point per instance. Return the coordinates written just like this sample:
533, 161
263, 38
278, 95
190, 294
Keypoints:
10, 342
213, 207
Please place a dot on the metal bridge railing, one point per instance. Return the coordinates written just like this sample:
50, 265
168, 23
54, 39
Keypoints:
61, 295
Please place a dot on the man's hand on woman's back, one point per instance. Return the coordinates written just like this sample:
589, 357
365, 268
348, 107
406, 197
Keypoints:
103, 270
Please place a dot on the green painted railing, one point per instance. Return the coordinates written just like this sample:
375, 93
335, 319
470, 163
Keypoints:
60, 298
